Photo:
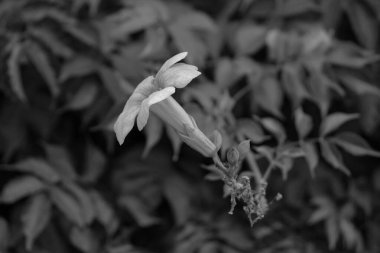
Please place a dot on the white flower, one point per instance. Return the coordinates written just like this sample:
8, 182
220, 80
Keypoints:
154, 94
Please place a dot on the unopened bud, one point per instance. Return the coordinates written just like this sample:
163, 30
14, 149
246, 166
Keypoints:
233, 155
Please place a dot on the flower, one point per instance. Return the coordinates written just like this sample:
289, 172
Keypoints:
154, 94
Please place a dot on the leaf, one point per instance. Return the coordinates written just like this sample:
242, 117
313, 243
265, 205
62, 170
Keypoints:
85, 203
322, 213
293, 81
361, 198
225, 75
104, 213
95, 162
275, 128
351, 235
60, 159
187, 41
269, 95
68, 205
78, 67
83, 98
291, 150
320, 86
49, 40
332, 13
245, 66
82, 33
334, 121
332, 155
213, 247
332, 231
249, 38
153, 132
311, 156
156, 39
38, 14
138, 210
285, 164
283, 46
40, 60
115, 84
358, 86
196, 20
93, 6
84, 239
244, 148
354, 144
35, 218
179, 194
303, 122
214, 173
350, 55
207, 95
121, 24
292, 8
363, 23
39, 168
14, 71
21, 187
140, 187
249, 129
175, 141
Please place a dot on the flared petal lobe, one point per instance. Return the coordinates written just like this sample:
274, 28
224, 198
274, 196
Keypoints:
125, 122
176, 58
153, 98
179, 75
126, 119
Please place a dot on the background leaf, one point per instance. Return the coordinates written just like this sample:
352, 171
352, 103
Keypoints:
21, 187
40, 60
303, 123
14, 72
35, 218
334, 121
354, 144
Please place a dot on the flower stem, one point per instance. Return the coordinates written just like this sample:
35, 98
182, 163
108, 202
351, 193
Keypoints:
219, 163
255, 168
268, 171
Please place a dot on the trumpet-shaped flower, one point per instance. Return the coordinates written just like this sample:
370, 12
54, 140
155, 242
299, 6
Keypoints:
154, 94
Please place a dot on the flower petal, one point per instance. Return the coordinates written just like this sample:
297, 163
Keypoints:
153, 98
178, 76
176, 58
153, 132
145, 87
126, 119
197, 140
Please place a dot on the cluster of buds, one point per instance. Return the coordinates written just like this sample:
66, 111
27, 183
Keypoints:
255, 201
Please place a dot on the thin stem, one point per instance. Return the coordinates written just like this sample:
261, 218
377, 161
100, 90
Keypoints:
219, 163
255, 169
270, 168
238, 95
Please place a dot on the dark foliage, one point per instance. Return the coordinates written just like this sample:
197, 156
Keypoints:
291, 85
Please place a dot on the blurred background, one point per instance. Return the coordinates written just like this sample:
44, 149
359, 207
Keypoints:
298, 78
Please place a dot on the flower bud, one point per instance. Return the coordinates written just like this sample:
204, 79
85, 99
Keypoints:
233, 155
